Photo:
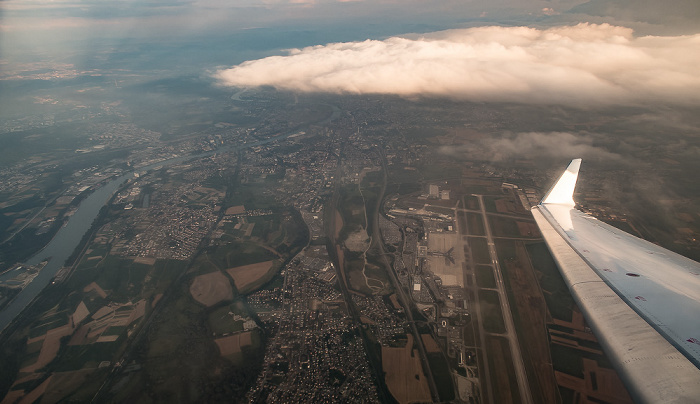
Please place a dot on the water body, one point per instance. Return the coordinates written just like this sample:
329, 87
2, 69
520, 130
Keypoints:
68, 237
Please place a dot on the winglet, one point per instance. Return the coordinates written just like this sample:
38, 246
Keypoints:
562, 193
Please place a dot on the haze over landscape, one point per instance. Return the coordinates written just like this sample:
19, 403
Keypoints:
298, 196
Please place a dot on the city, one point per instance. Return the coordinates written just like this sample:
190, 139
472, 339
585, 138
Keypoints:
342, 255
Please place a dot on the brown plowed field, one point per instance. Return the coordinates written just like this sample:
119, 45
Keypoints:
404, 374
247, 275
211, 288
231, 345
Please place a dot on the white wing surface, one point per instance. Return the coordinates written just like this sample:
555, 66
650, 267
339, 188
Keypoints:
641, 300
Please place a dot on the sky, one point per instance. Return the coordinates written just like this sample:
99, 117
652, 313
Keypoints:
569, 52
46, 23
575, 53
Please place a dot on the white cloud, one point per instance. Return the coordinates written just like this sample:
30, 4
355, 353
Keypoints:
586, 64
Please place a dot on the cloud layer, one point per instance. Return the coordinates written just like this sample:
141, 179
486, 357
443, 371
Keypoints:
584, 65
535, 145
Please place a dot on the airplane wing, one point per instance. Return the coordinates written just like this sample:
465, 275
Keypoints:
641, 300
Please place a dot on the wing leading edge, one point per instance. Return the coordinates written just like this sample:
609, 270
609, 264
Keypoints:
641, 300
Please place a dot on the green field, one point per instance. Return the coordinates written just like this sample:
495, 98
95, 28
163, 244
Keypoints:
502, 371
115, 330
558, 298
220, 322
475, 224
506, 251
567, 360
484, 276
490, 203
252, 196
375, 271
503, 227
81, 356
197, 371
371, 188
440, 171
441, 374
41, 326
471, 202
352, 210
163, 274
491, 314
402, 181
238, 253
356, 280
480, 250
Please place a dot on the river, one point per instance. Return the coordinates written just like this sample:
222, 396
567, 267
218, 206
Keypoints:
68, 237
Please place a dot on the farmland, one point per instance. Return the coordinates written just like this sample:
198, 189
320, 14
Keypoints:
404, 374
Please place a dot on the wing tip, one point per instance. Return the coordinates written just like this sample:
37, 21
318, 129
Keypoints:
562, 193
574, 166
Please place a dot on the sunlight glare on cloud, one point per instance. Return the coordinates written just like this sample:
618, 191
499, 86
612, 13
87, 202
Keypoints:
585, 64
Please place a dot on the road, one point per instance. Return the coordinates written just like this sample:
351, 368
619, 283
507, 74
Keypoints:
405, 303
518, 364
27, 221
330, 227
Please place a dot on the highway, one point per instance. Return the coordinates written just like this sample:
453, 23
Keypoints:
331, 227
518, 364
403, 299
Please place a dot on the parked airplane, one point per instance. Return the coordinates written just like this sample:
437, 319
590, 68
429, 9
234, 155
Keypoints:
641, 301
